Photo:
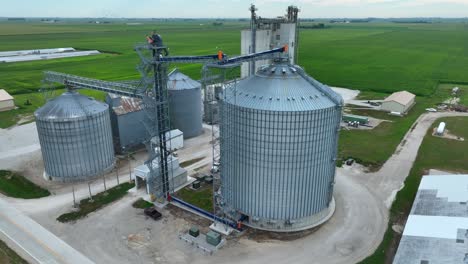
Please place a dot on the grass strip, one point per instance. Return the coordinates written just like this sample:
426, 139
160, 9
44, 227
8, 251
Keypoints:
99, 201
8, 256
141, 204
16, 186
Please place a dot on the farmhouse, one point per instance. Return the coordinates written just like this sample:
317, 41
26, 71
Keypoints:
6, 101
399, 102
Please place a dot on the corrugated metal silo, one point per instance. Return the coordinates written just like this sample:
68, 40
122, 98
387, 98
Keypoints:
75, 136
185, 104
279, 135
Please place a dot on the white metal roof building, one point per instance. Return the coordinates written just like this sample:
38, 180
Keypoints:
437, 228
399, 102
6, 101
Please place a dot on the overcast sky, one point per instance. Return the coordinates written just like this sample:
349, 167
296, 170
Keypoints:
232, 8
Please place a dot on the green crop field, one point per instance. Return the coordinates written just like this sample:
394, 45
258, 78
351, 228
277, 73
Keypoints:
372, 57
376, 58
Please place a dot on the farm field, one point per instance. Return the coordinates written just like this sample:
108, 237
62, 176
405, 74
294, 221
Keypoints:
376, 58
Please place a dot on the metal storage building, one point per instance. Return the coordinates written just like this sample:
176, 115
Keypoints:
185, 104
6, 101
437, 228
399, 102
127, 118
279, 136
76, 138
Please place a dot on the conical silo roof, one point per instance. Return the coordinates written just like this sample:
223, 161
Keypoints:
179, 81
70, 105
282, 87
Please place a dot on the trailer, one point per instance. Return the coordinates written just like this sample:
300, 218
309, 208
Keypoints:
362, 120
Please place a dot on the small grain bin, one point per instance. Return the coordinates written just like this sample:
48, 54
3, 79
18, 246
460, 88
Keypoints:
75, 137
185, 104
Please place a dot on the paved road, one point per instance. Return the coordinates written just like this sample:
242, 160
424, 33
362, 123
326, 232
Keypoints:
34, 242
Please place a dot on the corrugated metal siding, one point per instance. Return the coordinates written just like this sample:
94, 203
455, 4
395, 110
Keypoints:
131, 129
128, 105
185, 104
76, 147
278, 165
278, 158
186, 111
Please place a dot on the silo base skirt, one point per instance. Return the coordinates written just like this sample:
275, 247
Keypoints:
83, 178
295, 225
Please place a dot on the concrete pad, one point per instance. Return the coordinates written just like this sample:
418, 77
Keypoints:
221, 228
347, 94
200, 242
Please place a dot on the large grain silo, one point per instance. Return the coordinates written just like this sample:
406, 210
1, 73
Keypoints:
185, 104
279, 134
76, 138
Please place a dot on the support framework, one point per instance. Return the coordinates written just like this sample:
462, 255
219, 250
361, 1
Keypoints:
152, 89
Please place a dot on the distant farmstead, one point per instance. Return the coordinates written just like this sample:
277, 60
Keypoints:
399, 102
6, 101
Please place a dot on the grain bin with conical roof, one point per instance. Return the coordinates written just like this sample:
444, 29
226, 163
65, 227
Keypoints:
279, 136
75, 137
185, 104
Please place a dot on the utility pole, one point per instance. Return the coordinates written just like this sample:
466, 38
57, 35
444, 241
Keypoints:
90, 195
74, 199
104, 178
117, 170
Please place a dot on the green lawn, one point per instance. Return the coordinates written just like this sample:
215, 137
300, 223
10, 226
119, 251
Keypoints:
24, 111
141, 204
16, 186
373, 147
434, 153
8, 256
100, 200
203, 197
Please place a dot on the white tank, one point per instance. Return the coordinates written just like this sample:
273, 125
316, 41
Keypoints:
441, 128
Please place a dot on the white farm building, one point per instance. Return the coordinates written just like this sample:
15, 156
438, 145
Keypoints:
399, 102
6, 101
